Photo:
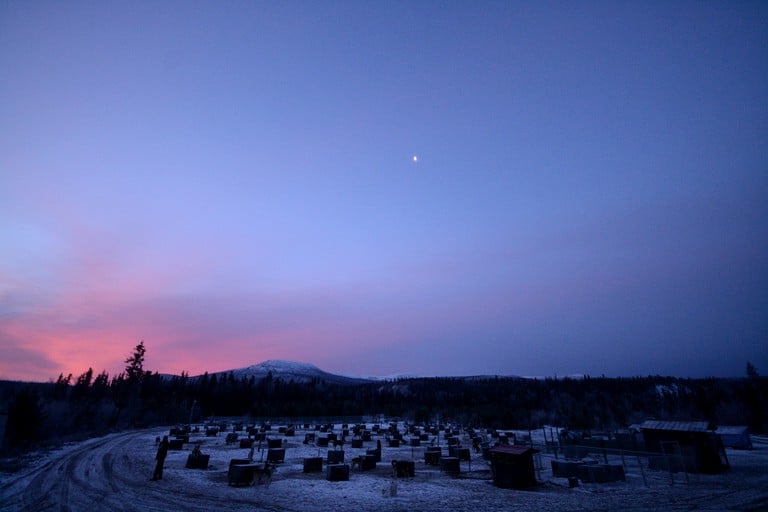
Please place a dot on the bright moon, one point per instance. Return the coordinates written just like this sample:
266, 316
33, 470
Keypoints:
415, 158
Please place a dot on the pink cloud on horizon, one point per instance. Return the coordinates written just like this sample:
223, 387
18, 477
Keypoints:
98, 328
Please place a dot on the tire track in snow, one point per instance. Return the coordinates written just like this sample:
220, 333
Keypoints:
50, 486
111, 474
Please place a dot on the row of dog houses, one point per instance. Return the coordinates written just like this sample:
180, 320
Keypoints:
512, 466
673, 446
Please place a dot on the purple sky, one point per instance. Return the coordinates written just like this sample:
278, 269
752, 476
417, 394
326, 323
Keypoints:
234, 181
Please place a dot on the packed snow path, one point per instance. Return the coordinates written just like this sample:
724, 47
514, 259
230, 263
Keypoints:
113, 473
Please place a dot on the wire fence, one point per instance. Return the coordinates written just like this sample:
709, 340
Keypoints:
669, 467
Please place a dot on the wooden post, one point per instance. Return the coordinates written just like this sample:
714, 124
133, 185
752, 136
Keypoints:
642, 470
537, 465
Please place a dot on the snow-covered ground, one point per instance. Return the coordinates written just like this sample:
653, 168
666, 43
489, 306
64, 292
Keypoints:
113, 473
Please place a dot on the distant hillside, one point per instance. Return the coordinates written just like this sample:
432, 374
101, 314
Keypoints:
42, 412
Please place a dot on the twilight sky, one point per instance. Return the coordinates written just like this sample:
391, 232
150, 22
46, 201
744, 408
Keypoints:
235, 181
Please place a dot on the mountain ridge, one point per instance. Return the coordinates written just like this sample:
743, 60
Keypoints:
285, 370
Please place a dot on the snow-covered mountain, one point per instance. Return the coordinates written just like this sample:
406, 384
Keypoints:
305, 372
290, 370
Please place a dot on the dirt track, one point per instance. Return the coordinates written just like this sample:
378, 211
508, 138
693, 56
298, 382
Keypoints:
112, 473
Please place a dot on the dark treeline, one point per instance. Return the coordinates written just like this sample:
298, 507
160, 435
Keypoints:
73, 408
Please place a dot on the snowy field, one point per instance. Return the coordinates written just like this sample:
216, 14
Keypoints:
113, 473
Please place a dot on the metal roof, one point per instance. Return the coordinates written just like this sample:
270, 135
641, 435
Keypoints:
679, 426
733, 430
512, 449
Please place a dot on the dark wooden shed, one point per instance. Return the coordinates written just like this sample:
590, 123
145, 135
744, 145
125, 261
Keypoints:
512, 466
692, 446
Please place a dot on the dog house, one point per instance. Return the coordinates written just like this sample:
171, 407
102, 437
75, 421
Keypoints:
512, 466
432, 455
313, 464
241, 472
450, 465
337, 472
197, 462
276, 455
403, 468
335, 457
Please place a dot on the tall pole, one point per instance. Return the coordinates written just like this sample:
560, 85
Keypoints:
192, 411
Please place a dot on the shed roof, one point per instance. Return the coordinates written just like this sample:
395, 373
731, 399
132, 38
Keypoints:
680, 426
733, 430
513, 449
